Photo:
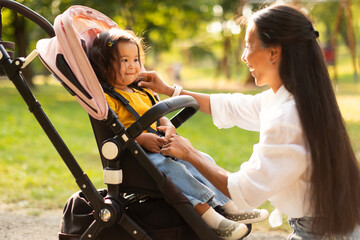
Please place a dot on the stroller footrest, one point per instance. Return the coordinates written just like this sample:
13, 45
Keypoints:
113, 176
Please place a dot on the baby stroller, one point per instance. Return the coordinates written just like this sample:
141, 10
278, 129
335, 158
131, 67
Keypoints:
140, 202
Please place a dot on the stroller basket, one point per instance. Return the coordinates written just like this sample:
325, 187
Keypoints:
140, 202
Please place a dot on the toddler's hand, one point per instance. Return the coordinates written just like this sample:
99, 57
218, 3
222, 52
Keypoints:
151, 142
168, 130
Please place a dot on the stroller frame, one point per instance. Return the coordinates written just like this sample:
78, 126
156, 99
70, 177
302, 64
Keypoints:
108, 210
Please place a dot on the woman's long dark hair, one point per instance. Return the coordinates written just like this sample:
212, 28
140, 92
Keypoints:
335, 176
104, 53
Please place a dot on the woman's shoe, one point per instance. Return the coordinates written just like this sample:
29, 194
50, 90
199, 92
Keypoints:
257, 215
231, 230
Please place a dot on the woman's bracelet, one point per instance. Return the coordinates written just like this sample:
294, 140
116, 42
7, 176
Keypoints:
177, 90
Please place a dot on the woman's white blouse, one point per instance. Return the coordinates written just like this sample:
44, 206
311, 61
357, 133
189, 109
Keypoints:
278, 169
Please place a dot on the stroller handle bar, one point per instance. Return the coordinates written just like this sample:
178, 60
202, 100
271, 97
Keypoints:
188, 105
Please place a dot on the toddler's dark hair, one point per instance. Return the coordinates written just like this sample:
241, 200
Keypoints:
104, 53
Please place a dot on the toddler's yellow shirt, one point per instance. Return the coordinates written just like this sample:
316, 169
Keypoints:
139, 100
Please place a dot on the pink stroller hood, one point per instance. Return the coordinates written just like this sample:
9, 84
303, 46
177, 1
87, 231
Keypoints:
75, 30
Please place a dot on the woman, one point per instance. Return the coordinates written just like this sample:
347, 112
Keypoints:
304, 163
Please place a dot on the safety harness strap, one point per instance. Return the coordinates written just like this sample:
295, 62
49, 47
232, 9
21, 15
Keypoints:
112, 93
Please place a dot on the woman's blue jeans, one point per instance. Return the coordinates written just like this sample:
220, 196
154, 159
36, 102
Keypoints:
188, 179
302, 231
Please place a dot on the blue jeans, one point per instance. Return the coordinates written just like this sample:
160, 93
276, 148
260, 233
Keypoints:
302, 231
188, 179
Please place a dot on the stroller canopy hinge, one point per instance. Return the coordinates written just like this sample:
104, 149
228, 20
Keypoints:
29, 58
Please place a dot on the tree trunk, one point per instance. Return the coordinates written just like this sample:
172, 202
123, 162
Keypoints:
335, 34
227, 57
351, 37
240, 39
21, 40
224, 64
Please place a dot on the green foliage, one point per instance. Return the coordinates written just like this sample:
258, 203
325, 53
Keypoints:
177, 29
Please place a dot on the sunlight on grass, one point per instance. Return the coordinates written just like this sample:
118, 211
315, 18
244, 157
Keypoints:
33, 173
350, 107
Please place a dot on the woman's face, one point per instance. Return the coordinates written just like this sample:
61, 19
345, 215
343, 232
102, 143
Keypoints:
129, 64
260, 60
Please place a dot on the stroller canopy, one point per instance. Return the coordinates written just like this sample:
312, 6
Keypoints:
75, 30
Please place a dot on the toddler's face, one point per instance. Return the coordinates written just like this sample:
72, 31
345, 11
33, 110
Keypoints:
129, 63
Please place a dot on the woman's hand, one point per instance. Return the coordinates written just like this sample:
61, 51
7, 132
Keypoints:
181, 148
153, 81
178, 147
151, 142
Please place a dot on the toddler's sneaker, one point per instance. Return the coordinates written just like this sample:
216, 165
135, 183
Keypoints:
231, 230
256, 215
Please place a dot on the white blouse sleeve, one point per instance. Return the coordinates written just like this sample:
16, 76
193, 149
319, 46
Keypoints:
236, 109
278, 160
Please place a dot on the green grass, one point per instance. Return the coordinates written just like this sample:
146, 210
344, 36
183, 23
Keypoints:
34, 176
33, 173
226, 146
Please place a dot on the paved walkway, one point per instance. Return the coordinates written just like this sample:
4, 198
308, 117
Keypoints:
20, 226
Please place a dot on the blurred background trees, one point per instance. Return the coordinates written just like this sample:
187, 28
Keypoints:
201, 38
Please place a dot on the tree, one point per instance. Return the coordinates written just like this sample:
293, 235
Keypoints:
159, 21
224, 13
24, 32
16, 32
338, 19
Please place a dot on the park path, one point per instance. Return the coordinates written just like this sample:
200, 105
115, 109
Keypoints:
18, 225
